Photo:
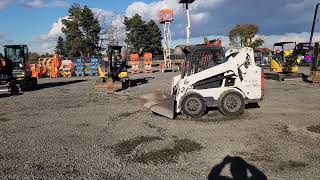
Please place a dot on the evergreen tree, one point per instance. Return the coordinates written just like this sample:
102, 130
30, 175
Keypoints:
154, 44
60, 47
82, 32
143, 37
136, 34
71, 29
91, 30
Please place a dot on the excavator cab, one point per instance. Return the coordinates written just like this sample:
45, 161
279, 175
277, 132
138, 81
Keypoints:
283, 60
117, 69
16, 76
16, 57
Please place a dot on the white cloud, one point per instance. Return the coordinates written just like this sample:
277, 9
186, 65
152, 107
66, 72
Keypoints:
102, 15
269, 39
42, 4
54, 33
4, 3
2, 35
292, 37
59, 3
46, 42
215, 18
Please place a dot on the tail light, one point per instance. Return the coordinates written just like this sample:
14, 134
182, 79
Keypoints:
262, 83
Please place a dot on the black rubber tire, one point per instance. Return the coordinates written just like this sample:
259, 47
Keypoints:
198, 108
231, 103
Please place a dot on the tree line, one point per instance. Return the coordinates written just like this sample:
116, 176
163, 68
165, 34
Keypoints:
82, 34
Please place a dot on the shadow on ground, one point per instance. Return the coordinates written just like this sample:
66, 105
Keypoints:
4, 95
239, 169
44, 86
56, 84
139, 81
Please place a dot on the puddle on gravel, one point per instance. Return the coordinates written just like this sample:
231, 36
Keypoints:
256, 157
169, 155
128, 146
284, 129
83, 125
218, 117
314, 129
124, 115
291, 165
3, 119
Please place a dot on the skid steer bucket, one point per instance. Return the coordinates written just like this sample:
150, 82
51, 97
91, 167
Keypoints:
161, 104
165, 108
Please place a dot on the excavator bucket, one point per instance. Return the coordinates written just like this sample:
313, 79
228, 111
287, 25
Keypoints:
161, 104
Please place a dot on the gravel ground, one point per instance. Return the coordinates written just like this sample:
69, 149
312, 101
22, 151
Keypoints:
68, 130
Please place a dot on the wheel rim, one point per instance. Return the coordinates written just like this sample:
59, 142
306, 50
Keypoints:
232, 103
193, 105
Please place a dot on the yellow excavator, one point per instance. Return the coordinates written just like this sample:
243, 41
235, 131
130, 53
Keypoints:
283, 60
284, 63
115, 77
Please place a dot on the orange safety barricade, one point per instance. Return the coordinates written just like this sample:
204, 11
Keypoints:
33, 70
147, 62
135, 63
67, 68
54, 66
40, 71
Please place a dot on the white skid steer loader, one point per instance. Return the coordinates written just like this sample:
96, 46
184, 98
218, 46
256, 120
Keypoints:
209, 79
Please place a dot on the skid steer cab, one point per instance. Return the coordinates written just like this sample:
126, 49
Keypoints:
212, 78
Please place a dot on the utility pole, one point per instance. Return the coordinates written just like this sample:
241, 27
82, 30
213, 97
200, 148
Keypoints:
313, 25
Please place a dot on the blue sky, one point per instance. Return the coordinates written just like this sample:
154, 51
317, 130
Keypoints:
36, 22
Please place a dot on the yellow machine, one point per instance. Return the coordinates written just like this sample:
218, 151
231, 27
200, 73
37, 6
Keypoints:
284, 61
116, 74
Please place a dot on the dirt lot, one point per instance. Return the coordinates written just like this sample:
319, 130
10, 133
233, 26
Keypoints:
68, 130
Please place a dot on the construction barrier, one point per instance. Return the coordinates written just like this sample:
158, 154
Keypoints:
33, 70
147, 62
67, 68
94, 66
135, 63
55, 64
42, 67
79, 67
41, 71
